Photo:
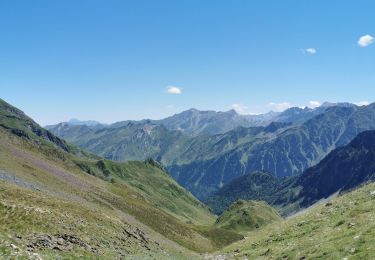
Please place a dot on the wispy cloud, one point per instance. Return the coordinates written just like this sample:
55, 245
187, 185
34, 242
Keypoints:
240, 108
365, 40
278, 107
313, 104
362, 103
174, 90
310, 51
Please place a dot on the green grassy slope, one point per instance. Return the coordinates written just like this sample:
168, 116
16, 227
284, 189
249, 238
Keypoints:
65, 183
343, 228
244, 216
35, 225
53, 193
153, 184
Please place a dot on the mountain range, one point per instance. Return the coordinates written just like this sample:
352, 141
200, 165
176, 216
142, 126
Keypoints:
284, 144
194, 122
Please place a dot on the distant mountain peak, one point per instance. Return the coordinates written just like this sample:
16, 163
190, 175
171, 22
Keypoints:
75, 121
193, 110
232, 112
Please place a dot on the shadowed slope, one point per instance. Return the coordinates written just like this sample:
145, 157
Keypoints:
343, 169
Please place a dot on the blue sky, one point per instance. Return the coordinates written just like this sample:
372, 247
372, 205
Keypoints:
114, 60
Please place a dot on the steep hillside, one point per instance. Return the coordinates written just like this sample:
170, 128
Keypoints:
16, 122
344, 228
343, 169
55, 203
243, 216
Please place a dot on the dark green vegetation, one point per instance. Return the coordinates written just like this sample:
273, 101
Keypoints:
254, 186
343, 228
343, 169
56, 200
243, 216
297, 140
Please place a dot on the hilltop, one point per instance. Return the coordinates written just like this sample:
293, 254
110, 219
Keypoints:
243, 216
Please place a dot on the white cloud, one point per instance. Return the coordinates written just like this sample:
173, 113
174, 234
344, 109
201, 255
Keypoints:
365, 40
310, 50
313, 104
174, 90
362, 103
278, 107
240, 108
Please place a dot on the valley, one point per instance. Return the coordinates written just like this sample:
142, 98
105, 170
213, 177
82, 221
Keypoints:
69, 196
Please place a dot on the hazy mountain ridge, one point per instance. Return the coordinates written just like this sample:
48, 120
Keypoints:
194, 122
204, 163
